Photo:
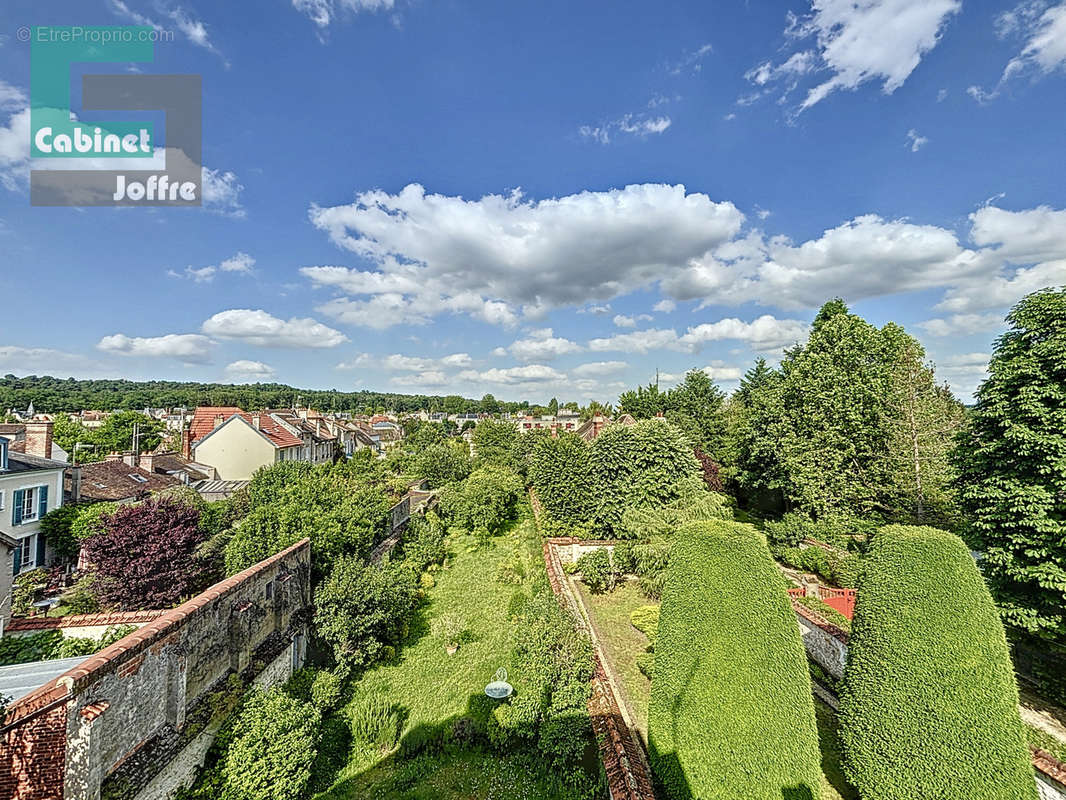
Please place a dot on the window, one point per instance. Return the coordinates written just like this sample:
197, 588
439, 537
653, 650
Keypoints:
137, 478
27, 551
29, 505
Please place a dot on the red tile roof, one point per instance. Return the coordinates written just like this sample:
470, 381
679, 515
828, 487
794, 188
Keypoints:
203, 423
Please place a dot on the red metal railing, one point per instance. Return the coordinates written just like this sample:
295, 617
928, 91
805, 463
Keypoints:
843, 600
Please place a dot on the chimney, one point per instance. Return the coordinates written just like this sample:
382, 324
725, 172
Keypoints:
75, 484
186, 443
39, 438
148, 462
113, 457
219, 419
256, 421
129, 458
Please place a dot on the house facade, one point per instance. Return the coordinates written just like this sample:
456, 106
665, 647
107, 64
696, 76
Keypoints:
236, 443
31, 485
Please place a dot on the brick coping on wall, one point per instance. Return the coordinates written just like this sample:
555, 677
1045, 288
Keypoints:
19, 624
624, 760
109, 658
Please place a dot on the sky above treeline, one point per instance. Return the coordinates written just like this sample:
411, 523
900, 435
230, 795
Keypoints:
539, 199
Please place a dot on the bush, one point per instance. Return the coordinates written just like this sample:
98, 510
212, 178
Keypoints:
596, 571
440, 464
485, 500
624, 559
49, 645
731, 713
495, 443
274, 744
946, 723
360, 610
423, 543
788, 531
845, 570
376, 724
646, 664
89, 520
561, 476
646, 620
146, 556
326, 690
55, 526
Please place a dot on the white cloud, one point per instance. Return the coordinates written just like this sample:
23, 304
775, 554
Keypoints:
856, 41
189, 348
511, 376
193, 29
763, 334
599, 369
12, 98
639, 125
915, 141
257, 327
222, 192
941, 95
457, 360
427, 379
324, 12
241, 262
15, 150
721, 372
962, 324
630, 321
245, 371
1043, 28
201, 275
24, 361
487, 257
690, 60
542, 345
664, 306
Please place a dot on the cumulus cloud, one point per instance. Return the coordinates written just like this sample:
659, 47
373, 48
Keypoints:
720, 371
962, 324
542, 345
486, 258
630, 321
916, 141
222, 192
188, 348
46, 361
513, 376
241, 263
259, 328
763, 334
855, 41
426, 379
244, 371
664, 306
599, 369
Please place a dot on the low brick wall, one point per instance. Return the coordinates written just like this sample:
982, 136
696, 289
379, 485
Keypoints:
120, 717
91, 626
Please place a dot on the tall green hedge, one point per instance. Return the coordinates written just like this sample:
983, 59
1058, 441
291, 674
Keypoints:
930, 704
560, 474
731, 714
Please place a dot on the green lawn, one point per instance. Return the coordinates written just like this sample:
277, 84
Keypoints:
433, 689
622, 643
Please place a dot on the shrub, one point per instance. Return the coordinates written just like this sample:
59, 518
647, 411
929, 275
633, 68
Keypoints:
89, 520
49, 645
146, 555
326, 690
845, 570
731, 713
440, 464
495, 443
28, 588
80, 598
274, 744
788, 531
451, 629
646, 664
560, 473
596, 571
826, 611
376, 723
423, 543
946, 724
485, 500
624, 560
646, 620
360, 610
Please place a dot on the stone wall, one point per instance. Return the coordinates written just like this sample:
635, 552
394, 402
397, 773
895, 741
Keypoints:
826, 644
124, 715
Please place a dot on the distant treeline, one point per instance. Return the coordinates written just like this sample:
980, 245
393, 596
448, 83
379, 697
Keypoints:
50, 395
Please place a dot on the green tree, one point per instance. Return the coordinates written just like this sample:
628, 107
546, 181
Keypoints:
116, 434
495, 442
926, 636
274, 744
489, 405
1012, 467
440, 464
726, 633
754, 379
561, 475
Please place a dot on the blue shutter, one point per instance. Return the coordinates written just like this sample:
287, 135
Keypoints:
42, 501
18, 559
16, 507
40, 549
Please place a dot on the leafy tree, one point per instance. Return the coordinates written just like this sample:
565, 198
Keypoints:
55, 526
489, 405
553, 406
754, 379
926, 636
495, 442
145, 556
274, 745
116, 434
561, 475
362, 609
1011, 461
594, 408
484, 501
726, 633
440, 464
646, 401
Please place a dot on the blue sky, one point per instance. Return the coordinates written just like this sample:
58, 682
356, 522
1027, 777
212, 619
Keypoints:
552, 198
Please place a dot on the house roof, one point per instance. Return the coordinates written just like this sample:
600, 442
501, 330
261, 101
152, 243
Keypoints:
114, 480
203, 425
172, 462
23, 462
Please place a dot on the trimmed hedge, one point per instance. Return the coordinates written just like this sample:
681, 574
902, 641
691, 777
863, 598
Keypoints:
930, 704
731, 714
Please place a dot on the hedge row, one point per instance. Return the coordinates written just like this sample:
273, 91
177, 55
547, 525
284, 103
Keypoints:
930, 704
731, 714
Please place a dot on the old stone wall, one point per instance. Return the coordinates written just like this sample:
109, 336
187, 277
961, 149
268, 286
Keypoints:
827, 645
128, 711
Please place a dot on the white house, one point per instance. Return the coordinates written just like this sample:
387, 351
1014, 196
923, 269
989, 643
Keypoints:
30, 486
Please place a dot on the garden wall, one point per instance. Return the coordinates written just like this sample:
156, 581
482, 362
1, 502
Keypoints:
89, 626
132, 720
